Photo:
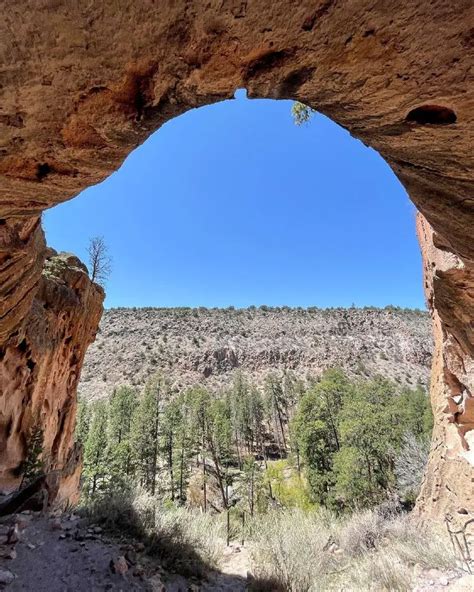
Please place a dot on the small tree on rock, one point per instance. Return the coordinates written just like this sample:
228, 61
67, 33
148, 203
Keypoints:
99, 260
33, 463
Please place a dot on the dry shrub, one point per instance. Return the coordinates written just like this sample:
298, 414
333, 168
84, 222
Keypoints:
361, 533
377, 572
373, 550
292, 550
185, 541
289, 549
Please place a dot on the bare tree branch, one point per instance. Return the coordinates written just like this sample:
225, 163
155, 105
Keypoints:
99, 260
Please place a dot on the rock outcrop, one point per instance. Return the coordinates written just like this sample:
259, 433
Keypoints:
82, 84
449, 291
199, 345
39, 372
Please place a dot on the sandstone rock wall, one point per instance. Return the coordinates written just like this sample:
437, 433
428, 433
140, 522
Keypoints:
83, 83
449, 481
40, 368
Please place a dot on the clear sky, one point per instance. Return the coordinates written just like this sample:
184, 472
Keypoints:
232, 204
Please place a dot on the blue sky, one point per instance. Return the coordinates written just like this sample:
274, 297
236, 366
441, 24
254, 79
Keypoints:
232, 204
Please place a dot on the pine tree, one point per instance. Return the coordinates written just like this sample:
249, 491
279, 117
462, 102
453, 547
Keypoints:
122, 406
218, 440
33, 464
95, 449
277, 409
144, 437
172, 431
83, 419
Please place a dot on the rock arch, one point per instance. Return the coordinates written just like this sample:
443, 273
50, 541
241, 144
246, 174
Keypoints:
84, 83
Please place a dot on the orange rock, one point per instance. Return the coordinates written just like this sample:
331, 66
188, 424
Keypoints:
61, 323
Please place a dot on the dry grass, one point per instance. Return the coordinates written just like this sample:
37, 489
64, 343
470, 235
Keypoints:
288, 548
292, 551
369, 551
186, 542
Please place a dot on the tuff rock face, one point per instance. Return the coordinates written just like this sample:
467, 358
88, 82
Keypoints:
450, 296
40, 369
82, 84
208, 346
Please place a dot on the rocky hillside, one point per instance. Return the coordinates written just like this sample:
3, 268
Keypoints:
208, 345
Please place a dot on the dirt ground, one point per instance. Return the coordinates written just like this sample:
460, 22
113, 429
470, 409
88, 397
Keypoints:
64, 554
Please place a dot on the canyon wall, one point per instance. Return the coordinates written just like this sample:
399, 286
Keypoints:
83, 83
208, 346
39, 372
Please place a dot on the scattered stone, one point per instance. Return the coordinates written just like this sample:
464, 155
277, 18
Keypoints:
11, 554
56, 524
157, 585
131, 557
13, 535
6, 576
62, 537
443, 581
31, 546
22, 522
119, 565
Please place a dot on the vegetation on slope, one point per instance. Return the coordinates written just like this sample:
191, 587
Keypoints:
206, 346
335, 443
320, 470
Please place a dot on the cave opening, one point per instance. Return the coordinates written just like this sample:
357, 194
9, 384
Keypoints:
234, 210
86, 103
228, 193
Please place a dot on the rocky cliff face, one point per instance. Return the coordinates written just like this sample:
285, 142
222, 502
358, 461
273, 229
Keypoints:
40, 368
450, 476
207, 346
82, 85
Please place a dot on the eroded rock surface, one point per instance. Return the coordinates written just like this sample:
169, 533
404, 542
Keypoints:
208, 346
82, 84
448, 487
39, 371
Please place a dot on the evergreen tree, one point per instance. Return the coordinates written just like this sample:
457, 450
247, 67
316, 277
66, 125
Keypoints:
218, 441
144, 436
83, 419
316, 432
33, 465
277, 409
122, 406
172, 432
95, 449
